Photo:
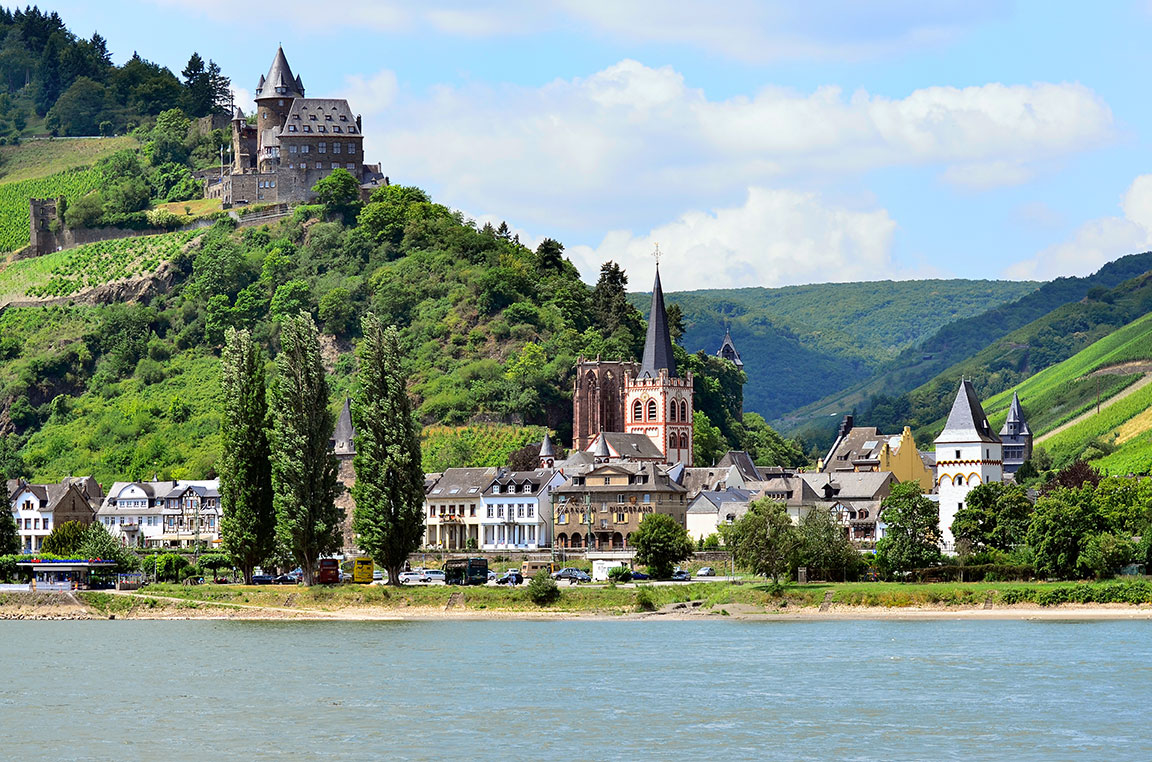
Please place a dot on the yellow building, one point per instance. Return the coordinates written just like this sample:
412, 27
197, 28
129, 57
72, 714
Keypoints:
905, 461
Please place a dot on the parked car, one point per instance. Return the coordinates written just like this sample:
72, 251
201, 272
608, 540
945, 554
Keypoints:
378, 575
511, 577
492, 576
636, 574
409, 577
706, 571
681, 576
263, 579
286, 579
433, 575
345, 576
572, 575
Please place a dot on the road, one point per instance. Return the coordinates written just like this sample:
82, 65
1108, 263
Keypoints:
1103, 406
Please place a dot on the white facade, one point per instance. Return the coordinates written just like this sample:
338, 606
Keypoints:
163, 514
33, 521
968, 453
517, 511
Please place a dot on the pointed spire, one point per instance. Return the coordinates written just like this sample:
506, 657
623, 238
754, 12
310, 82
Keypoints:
1016, 416
658, 345
280, 81
967, 421
601, 453
728, 349
344, 434
546, 448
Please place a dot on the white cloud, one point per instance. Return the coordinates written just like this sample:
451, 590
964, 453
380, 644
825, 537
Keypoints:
1098, 241
633, 144
776, 237
752, 30
371, 94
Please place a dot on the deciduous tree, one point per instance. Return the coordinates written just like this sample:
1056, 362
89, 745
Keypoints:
304, 484
660, 544
65, 539
912, 539
995, 516
389, 489
764, 540
248, 520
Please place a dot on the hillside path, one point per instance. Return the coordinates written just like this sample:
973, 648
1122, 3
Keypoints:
1105, 404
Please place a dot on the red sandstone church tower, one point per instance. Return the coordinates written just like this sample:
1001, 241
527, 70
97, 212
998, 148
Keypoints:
657, 402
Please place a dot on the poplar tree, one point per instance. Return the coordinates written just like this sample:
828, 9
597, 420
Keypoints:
304, 471
389, 488
248, 521
9, 539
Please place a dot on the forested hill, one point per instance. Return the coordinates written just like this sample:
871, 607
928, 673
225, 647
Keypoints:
802, 343
946, 352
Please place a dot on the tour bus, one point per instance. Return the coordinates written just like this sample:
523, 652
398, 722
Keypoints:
328, 572
529, 568
466, 571
362, 569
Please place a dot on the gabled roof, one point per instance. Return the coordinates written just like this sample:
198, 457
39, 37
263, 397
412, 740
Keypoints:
850, 485
967, 422
1016, 415
619, 444
462, 483
728, 350
742, 461
280, 76
710, 501
658, 344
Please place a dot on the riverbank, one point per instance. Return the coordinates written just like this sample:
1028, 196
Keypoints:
1104, 600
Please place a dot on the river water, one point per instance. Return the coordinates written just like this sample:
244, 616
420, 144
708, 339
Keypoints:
512, 690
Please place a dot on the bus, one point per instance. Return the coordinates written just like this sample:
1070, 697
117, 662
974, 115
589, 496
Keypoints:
328, 571
362, 569
466, 571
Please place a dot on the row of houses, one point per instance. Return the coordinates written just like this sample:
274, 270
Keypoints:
150, 514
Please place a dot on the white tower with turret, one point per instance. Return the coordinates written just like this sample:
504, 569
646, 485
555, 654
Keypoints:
968, 453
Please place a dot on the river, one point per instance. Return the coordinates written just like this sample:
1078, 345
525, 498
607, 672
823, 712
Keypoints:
531, 690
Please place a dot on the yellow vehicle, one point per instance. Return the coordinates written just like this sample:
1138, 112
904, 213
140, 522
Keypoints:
529, 568
362, 569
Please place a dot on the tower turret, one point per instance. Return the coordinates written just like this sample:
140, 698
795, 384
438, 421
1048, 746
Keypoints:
968, 453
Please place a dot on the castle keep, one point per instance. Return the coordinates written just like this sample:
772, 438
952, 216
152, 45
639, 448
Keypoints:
294, 142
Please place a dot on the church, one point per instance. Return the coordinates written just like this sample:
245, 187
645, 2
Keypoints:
639, 411
292, 142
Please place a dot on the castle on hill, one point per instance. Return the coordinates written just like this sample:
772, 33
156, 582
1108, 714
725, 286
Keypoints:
294, 142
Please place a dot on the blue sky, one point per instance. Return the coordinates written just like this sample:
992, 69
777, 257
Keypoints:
759, 143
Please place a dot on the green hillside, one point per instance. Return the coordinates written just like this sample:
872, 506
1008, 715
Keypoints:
945, 353
801, 343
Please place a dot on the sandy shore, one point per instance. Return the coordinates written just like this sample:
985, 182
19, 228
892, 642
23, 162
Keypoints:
68, 607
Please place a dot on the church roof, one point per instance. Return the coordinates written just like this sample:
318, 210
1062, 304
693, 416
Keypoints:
728, 350
1016, 415
280, 76
967, 421
546, 448
658, 344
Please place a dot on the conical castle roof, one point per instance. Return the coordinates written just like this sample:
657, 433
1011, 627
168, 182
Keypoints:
1015, 415
280, 76
967, 422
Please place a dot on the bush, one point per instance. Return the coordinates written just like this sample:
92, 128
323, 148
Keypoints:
543, 590
644, 599
619, 574
1104, 555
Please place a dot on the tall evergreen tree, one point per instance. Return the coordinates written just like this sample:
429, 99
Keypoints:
197, 87
9, 539
219, 88
304, 471
389, 489
248, 523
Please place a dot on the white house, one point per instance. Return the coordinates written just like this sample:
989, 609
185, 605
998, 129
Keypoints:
40, 508
968, 453
163, 514
517, 510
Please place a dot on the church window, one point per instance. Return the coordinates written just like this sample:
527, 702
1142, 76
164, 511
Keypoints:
281, 101
322, 148
683, 410
958, 481
292, 128
672, 411
683, 441
957, 455
321, 128
327, 117
311, 117
651, 410
671, 441
343, 118
352, 130
637, 411
307, 128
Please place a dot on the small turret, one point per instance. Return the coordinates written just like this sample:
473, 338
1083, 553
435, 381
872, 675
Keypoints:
547, 452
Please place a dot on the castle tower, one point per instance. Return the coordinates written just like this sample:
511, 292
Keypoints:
547, 452
968, 453
343, 444
728, 350
658, 403
274, 95
1016, 436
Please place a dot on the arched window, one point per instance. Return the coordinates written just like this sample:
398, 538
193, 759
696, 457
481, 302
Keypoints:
672, 411
683, 441
637, 411
651, 410
671, 441
683, 410
958, 481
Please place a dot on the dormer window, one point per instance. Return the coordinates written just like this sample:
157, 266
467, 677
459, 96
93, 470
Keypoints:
312, 117
328, 117
335, 128
343, 118
352, 130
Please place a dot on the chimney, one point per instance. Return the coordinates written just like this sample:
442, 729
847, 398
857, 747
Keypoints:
358, 127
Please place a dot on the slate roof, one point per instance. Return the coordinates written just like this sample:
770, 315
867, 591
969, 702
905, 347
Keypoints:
462, 483
742, 461
344, 431
850, 485
967, 421
537, 479
303, 108
546, 448
156, 491
1016, 415
658, 344
619, 444
728, 350
280, 75
711, 501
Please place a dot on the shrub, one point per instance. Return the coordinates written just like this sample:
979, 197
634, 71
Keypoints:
543, 590
644, 599
619, 574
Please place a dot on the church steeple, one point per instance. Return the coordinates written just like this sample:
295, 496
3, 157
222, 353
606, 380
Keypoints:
728, 350
658, 345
